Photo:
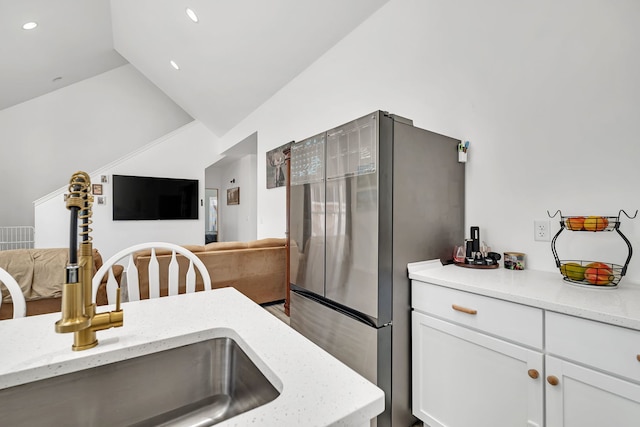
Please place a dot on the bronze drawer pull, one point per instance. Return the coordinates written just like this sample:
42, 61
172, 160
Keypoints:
638, 357
533, 373
464, 309
553, 380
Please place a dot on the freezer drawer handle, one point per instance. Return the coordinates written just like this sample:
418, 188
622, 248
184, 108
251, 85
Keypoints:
464, 309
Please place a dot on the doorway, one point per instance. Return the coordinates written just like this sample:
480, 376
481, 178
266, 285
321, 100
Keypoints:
210, 215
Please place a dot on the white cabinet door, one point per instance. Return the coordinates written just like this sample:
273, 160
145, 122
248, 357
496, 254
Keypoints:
586, 398
463, 378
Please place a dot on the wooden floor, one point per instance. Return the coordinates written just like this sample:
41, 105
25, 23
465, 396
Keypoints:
277, 310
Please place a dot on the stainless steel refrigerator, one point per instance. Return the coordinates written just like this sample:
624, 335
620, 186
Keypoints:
367, 198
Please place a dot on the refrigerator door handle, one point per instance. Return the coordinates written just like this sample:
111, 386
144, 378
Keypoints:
340, 309
356, 344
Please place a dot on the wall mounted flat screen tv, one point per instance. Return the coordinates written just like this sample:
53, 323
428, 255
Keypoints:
146, 198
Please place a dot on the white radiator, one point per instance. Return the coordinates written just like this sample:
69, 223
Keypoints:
18, 237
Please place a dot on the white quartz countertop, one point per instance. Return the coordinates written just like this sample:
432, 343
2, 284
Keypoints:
547, 290
316, 389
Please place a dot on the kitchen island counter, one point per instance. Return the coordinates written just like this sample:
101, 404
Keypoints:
546, 290
315, 388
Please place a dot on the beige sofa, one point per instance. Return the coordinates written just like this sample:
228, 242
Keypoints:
256, 268
41, 274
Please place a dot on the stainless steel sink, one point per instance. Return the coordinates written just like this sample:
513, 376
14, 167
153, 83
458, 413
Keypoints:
200, 384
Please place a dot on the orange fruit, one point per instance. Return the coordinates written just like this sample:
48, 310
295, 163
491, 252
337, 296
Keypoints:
575, 222
598, 276
599, 265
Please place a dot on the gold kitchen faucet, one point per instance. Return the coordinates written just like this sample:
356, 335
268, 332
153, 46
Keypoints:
78, 310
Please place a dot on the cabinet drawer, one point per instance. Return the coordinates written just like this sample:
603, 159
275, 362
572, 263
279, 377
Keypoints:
456, 367
606, 347
511, 321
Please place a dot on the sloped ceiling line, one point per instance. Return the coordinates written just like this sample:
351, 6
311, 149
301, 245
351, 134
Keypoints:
235, 58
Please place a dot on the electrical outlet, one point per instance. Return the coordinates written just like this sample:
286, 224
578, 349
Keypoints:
541, 232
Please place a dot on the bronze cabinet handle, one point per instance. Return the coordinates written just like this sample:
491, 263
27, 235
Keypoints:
464, 309
533, 373
553, 380
638, 357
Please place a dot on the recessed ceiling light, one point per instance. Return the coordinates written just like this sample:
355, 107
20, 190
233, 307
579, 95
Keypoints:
192, 15
29, 25
174, 65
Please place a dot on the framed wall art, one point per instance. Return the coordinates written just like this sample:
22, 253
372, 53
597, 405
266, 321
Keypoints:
233, 196
276, 167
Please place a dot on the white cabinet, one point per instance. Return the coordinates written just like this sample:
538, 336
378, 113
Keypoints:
513, 322
606, 347
464, 373
584, 397
592, 371
481, 361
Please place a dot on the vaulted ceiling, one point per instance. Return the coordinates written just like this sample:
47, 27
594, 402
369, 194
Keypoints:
235, 57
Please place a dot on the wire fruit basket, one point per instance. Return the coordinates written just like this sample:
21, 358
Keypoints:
591, 223
591, 274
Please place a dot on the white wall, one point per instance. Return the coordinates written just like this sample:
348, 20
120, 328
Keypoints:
79, 127
213, 177
239, 222
162, 158
547, 93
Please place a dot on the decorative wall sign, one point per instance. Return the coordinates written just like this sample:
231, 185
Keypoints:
233, 196
276, 167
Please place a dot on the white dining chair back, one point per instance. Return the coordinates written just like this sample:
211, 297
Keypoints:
130, 273
17, 298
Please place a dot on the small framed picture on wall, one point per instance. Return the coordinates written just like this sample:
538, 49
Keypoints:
277, 167
233, 196
96, 189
